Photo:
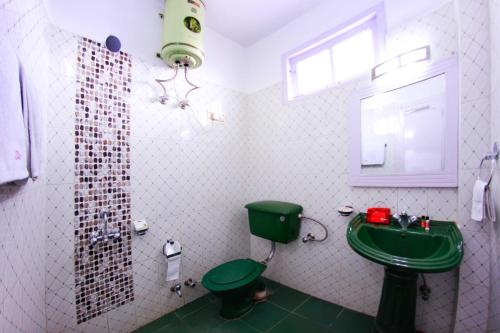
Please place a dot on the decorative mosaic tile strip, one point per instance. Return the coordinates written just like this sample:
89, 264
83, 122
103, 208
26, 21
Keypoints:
103, 273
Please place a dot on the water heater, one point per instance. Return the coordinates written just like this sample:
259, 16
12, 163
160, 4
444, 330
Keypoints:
183, 33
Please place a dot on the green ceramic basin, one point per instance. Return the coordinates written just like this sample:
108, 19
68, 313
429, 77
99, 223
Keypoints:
439, 250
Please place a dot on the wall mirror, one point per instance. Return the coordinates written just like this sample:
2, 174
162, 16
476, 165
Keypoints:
405, 129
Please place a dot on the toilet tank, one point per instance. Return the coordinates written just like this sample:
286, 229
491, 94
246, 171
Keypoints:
274, 220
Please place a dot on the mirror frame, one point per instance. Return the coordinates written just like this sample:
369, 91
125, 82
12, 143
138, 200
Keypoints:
447, 178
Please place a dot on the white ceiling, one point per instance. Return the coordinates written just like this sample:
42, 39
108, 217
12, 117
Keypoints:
244, 40
248, 21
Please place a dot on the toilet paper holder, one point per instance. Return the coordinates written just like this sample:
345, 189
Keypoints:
172, 248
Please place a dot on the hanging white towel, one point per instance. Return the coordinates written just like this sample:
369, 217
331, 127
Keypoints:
478, 196
482, 202
13, 160
32, 122
489, 206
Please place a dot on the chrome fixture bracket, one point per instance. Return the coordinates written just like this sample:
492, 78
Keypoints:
190, 283
308, 238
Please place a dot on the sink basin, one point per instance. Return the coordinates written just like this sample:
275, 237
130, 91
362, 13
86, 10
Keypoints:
405, 254
438, 250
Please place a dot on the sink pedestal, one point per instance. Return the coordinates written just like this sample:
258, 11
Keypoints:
396, 311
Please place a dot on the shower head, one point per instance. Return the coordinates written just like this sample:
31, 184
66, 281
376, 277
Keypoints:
113, 43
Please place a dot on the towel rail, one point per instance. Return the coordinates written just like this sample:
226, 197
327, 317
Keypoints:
493, 157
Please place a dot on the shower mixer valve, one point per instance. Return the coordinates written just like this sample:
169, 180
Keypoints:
106, 234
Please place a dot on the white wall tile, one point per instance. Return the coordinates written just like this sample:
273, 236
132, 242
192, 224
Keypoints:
472, 311
194, 190
474, 132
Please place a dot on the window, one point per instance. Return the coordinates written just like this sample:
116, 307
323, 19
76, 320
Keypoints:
342, 54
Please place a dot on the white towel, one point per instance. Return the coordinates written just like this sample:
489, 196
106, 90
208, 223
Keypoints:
489, 207
13, 159
477, 213
482, 202
33, 124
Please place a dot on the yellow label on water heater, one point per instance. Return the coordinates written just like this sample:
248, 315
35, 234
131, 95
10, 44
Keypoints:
192, 24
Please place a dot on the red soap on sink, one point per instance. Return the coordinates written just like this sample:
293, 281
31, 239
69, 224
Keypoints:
378, 215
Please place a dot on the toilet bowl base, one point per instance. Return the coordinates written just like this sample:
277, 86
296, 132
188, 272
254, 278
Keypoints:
236, 303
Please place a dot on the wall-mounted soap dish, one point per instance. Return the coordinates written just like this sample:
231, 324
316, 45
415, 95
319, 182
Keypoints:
346, 210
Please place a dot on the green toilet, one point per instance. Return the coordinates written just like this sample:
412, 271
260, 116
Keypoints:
235, 282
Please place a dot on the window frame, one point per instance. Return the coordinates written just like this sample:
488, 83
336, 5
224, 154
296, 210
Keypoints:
372, 19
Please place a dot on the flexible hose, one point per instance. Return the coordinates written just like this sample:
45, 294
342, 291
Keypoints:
321, 224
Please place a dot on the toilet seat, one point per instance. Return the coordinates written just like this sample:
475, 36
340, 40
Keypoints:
233, 274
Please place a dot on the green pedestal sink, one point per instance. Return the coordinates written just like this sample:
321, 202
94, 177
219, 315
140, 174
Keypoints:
404, 254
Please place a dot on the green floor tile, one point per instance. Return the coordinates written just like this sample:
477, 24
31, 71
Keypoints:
352, 322
204, 319
271, 286
234, 326
288, 298
264, 316
168, 323
192, 306
296, 324
274, 316
212, 298
177, 328
319, 311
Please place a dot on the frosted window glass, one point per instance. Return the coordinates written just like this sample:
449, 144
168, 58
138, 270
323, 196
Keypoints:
353, 56
314, 72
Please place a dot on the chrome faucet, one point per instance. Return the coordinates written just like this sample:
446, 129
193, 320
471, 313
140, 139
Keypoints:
404, 220
104, 216
106, 234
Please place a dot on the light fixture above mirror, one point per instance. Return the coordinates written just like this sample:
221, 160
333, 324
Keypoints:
401, 61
